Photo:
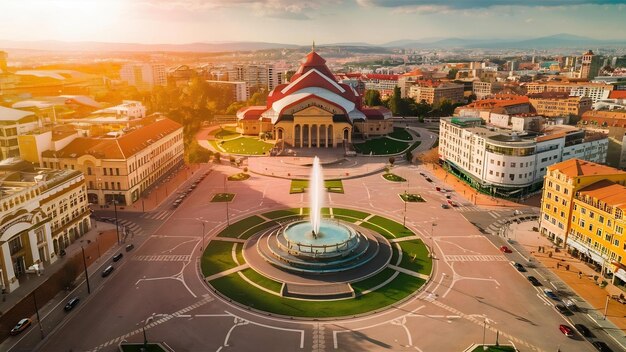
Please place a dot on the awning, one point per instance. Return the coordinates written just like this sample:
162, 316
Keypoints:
595, 256
621, 274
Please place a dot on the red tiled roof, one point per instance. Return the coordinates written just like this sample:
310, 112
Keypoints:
578, 167
608, 192
617, 94
250, 112
376, 112
117, 148
380, 76
313, 61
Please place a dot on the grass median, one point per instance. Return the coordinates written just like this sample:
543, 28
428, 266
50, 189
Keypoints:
217, 257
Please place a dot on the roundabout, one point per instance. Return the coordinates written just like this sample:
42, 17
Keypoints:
397, 266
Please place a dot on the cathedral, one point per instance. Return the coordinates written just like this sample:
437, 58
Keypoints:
313, 110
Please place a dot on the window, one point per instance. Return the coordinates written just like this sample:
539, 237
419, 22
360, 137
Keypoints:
88, 170
599, 232
117, 171
619, 229
513, 164
591, 214
582, 223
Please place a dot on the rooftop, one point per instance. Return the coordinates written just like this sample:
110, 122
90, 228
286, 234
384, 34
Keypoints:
577, 167
608, 192
8, 114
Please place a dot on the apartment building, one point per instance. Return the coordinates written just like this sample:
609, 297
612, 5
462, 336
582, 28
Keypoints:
436, 92
559, 104
144, 76
511, 163
121, 166
582, 209
42, 212
595, 91
240, 90
13, 123
483, 90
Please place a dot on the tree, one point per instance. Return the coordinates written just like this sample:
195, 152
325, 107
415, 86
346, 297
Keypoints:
392, 160
452, 73
372, 98
395, 101
217, 157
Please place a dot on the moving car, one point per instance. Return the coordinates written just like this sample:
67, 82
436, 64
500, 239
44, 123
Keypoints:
71, 304
21, 326
445, 206
117, 257
505, 249
548, 292
583, 330
566, 330
601, 346
571, 304
130, 247
428, 179
107, 271
533, 280
519, 267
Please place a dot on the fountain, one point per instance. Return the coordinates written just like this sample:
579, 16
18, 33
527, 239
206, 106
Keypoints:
318, 245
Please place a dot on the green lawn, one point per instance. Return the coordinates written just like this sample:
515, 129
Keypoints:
415, 248
414, 145
411, 197
239, 252
393, 177
236, 229
346, 218
396, 228
217, 257
299, 186
246, 145
236, 288
381, 146
495, 349
262, 280
372, 281
238, 177
394, 254
351, 213
282, 213
257, 228
222, 197
137, 347
400, 133
226, 133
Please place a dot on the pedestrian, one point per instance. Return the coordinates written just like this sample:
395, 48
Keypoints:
567, 267
580, 274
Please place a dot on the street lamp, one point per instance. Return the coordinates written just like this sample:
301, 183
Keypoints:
143, 328
37, 311
117, 230
85, 266
404, 217
203, 222
484, 333
432, 247
225, 192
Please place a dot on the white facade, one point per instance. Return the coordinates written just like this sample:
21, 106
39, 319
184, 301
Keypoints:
129, 109
144, 76
594, 91
503, 160
43, 213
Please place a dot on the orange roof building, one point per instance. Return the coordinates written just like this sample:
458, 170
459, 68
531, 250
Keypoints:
122, 166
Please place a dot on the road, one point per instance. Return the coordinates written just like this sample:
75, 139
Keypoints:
474, 291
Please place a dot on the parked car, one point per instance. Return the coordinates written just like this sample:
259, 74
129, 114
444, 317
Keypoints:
130, 247
533, 280
107, 271
601, 346
505, 249
428, 179
562, 309
583, 330
438, 189
571, 304
445, 206
566, 330
21, 326
519, 267
549, 293
117, 257
71, 304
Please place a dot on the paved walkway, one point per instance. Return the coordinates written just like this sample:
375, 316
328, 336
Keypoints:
227, 272
408, 272
583, 285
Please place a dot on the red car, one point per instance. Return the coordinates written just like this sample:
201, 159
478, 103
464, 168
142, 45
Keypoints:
566, 330
505, 249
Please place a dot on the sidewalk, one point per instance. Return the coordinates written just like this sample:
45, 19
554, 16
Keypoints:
29, 282
159, 192
583, 286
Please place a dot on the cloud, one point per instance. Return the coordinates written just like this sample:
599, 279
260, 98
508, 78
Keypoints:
284, 9
432, 6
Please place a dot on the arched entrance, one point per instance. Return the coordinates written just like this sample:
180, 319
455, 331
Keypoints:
346, 134
279, 134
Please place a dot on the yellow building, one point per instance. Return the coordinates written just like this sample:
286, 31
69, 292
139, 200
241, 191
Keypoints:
597, 227
563, 180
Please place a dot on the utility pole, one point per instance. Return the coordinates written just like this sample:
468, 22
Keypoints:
227, 201
117, 230
86, 274
38, 319
404, 218
606, 306
484, 333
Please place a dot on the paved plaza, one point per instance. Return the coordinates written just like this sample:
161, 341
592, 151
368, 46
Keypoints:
473, 294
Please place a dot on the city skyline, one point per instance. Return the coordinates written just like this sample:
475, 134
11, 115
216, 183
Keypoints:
326, 22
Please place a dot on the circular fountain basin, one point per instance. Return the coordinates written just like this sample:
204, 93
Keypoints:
331, 235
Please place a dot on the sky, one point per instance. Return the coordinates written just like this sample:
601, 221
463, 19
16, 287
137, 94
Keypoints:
301, 21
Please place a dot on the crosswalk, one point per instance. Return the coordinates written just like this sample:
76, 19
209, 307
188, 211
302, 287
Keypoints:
135, 230
159, 215
163, 258
474, 258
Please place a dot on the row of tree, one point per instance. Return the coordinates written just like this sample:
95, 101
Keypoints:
408, 106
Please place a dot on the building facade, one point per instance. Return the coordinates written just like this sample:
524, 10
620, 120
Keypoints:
14, 123
511, 164
595, 91
122, 167
590, 65
42, 212
144, 76
486, 89
559, 104
437, 92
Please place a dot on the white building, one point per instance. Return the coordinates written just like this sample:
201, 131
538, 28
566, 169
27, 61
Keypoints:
511, 163
42, 211
13, 123
144, 76
128, 110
